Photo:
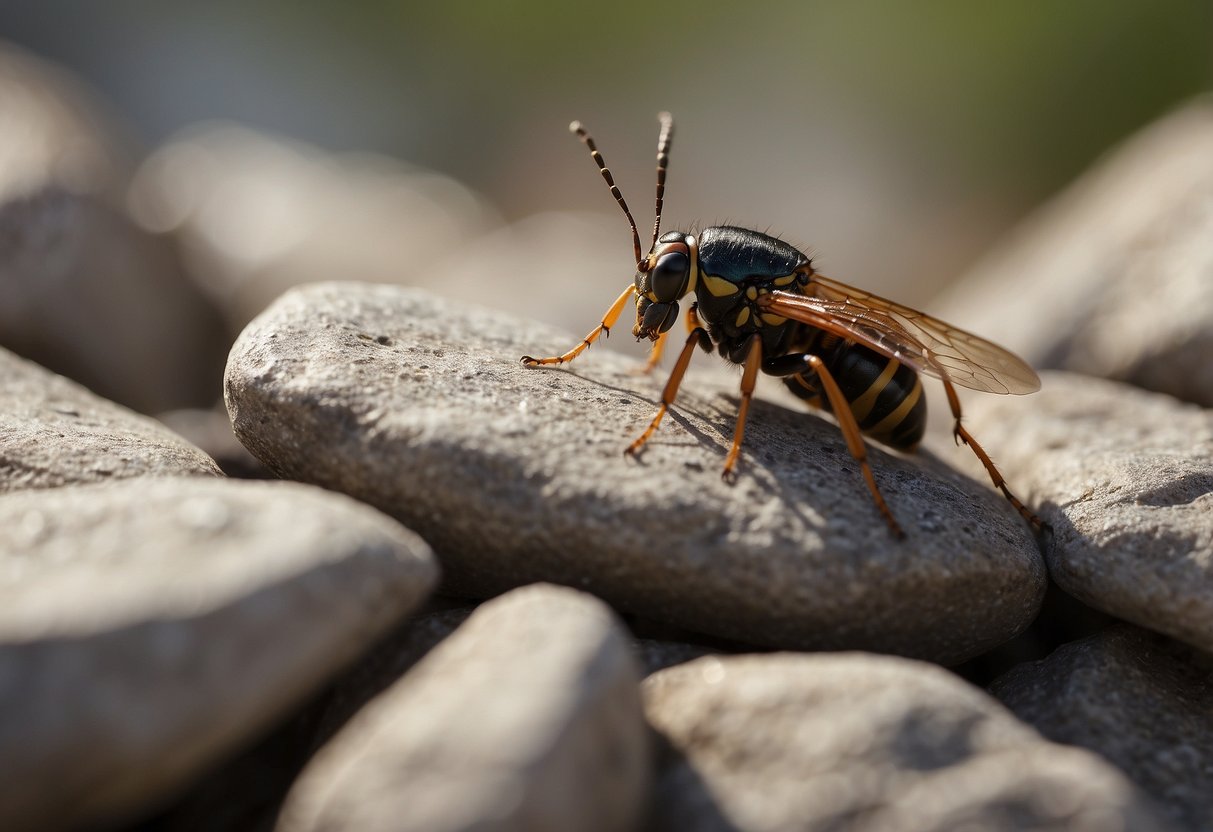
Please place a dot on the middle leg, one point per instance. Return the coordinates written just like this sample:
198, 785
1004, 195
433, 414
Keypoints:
749, 378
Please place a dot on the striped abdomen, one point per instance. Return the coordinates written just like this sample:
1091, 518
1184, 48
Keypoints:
885, 396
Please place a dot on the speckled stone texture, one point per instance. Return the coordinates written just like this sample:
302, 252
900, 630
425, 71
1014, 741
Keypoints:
420, 407
149, 627
54, 432
1125, 478
528, 717
1140, 700
1115, 277
859, 741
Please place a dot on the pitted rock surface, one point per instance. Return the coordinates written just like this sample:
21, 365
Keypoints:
1140, 700
54, 432
528, 717
1125, 478
864, 742
420, 407
148, 627
1115, 277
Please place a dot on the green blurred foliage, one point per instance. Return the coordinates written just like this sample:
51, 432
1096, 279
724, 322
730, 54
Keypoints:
1027, 91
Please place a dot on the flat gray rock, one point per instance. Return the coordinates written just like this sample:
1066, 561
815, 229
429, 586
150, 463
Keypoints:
1115, 277
857, 741
148, 627
54, 432
1138, 699
84, 289
1125, 478
528, 717
515, 475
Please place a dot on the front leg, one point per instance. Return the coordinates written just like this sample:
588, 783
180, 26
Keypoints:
671, 389
692, 324
603, 328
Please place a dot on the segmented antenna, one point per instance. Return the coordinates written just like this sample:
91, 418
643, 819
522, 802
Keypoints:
663, 159
583, 134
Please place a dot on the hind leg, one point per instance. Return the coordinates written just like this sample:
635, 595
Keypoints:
787, 365
961, 435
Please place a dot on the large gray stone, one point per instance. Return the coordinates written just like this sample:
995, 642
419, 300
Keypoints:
1125, 478
1115, 277
528, 718
148, 627
83, 289
857, 741
54, 432
420, 407
1139, 699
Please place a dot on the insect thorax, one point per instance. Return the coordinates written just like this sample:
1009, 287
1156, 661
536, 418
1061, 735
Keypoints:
735, 265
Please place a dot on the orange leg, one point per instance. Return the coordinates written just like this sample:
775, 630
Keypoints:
749, 377
670, 391
692, 322
604, 328
654, 355
961, 435
853, 437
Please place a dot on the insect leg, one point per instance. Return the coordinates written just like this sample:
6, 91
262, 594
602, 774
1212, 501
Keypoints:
749, 377
604, 328
671, 389
852, 435
961, 435
654, 354
692, 322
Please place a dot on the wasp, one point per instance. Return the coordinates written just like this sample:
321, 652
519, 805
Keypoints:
762, 305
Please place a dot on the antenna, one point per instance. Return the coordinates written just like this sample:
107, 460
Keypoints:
583, 134
663, 159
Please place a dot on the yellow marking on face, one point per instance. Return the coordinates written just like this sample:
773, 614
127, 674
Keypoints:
862, 406
742, 317
773, 320
752, 293
785, 280
888, 424
651, 296
720, 287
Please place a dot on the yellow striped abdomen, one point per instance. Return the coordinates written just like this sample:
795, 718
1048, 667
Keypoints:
885, 396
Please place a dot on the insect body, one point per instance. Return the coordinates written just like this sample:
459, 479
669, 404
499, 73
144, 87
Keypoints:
763, 306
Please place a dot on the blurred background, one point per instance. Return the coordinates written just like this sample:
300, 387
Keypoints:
427, 142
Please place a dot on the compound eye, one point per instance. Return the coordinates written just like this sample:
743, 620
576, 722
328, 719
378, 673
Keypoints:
669, 276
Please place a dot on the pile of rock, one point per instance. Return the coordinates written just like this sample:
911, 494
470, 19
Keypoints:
377, 639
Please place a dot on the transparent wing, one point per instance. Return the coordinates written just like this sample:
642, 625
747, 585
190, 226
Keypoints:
927, 344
